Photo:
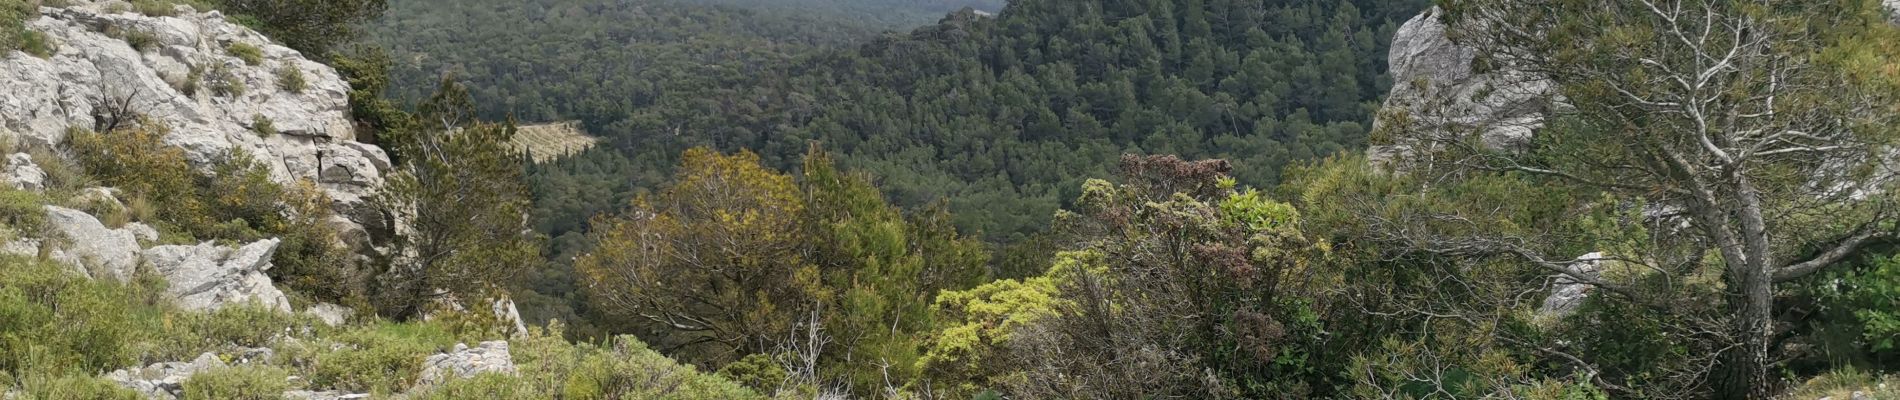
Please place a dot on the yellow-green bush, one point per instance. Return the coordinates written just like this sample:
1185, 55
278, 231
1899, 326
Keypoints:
382, 358
247, 52
13, 14
291, 79
484, 386
626, 369
37, 43
241, 383
43, 387
53, 321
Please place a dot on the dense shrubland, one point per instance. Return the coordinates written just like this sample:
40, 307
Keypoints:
834, 244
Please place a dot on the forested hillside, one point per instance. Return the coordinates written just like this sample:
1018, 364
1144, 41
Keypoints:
891, 14
1002, 116
1071, 199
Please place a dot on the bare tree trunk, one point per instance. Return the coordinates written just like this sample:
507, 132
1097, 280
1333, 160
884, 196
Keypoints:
1744, 373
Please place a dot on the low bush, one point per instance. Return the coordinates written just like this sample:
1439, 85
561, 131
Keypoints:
53, 321
74, 387
251, 54
242, 383
13, 15
155, 8
263, 126
139, 39
291, 79
381, 358
37, 43
484, 386
224, 81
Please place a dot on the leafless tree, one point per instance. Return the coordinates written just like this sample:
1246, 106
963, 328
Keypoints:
115, 107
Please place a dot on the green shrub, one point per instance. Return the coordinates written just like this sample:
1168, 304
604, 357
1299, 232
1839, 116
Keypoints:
75, 387
247, 52
155, 8
760, 372
185, 335
13, 16
1843, 383
140, 40
290, 79
22, 211
53, 321
624, 370
62, 173
245, 383
224, 81
193, 79
262, 125
381, 358
484, 386
37, 43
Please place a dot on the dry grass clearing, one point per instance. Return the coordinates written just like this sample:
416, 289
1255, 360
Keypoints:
546, 142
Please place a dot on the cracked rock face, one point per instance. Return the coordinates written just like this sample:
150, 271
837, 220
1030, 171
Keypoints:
164, 380
464, 362
171, 81
21, 173
209, 276
1567, 293
1435, 91
85, 243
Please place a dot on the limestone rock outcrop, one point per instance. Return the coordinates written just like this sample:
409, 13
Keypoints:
464, 362
185, 74
81, 241
1436, 91
22, 174
164, 381
210, 276
330, 314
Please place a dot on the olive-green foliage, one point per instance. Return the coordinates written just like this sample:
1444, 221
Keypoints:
1221, 287
624, 369
22, 212
249, 53
462, 180
234, 325
224, 81
290, 79
13, 14
54, 322
139, 39
262, 126
761, 372
485, 386
310, 26
237, 383
155, 8
1847, 383
37, 43
551, 367
884, 268
382, 357
1875, 290
43, 387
